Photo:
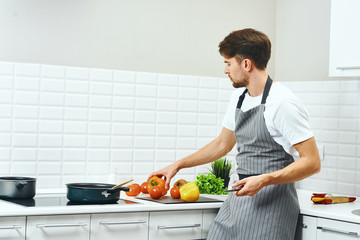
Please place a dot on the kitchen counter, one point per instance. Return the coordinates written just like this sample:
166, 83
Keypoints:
332, 211
340, 211
12, 209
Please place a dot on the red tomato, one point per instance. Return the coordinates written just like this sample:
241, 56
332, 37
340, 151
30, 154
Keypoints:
144, 187
155, 192
137, 185
134, 190
175, 192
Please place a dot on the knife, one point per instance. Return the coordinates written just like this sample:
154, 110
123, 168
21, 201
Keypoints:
235, 189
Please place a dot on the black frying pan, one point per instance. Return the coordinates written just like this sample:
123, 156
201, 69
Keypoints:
93, 192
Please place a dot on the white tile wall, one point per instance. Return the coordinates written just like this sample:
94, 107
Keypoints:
334, 107
63, 124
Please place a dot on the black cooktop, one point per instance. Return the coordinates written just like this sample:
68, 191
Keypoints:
58, 201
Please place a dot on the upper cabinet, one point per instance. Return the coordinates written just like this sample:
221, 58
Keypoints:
344, 39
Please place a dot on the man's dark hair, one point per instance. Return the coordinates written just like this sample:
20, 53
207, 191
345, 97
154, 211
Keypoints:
247, 43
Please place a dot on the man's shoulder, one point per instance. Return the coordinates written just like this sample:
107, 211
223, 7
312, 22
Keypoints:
280, 92
282, 97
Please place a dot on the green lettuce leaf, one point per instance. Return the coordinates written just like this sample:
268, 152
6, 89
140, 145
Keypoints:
210, 184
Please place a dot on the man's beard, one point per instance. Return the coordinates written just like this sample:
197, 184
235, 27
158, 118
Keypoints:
239, 84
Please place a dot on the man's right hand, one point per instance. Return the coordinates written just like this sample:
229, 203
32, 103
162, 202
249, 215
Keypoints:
167, 172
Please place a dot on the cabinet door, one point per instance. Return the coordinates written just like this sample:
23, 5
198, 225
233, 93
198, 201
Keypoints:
119, 225
208, 218
344, 38
306, 228
175, 225
335, 230
12, 228
61, 227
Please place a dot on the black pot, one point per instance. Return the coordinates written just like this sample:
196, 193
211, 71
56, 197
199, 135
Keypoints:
93, 192
17, 187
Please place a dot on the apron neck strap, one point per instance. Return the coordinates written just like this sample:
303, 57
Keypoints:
241, 99
266, 89
265, 93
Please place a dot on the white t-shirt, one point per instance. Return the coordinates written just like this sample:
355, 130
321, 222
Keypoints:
285, 116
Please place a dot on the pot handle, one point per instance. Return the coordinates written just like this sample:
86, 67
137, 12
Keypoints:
21, 184
118, 189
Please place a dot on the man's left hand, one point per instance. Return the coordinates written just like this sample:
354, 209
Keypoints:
251, 185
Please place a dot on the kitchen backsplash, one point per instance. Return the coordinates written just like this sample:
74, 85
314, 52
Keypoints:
334, 108
67, 124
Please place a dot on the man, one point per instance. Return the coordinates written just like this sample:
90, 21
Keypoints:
265, 120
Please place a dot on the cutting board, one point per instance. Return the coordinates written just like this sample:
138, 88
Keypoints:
170, 200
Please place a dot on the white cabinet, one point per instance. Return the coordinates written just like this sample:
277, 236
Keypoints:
306, 228
175, 225
12, 228
119, 225
315, 228
186, 224
208, 218
59, 227
344, 38
335, 230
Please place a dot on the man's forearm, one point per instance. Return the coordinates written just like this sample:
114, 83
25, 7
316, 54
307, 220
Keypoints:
307, 165
294, 172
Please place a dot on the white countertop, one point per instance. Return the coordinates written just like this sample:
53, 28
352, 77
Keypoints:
12, 209
340, 211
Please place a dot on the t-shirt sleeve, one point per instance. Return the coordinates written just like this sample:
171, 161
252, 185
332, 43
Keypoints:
292, 121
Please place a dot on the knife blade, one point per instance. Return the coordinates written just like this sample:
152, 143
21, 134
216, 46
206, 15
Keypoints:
235, 189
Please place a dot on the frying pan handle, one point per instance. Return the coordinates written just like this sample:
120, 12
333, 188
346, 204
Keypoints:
118, 189
21, 184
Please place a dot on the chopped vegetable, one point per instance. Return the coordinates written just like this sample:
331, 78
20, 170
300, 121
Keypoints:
210, 184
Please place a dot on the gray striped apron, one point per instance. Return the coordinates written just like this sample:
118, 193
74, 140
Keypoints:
272, 213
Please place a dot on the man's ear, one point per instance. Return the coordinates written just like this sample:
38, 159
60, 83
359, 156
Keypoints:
248, 65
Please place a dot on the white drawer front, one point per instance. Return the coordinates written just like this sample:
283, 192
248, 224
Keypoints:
12, 228
119, 225
175, 225
61, 227
335, 230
